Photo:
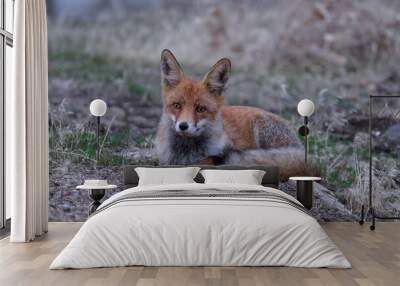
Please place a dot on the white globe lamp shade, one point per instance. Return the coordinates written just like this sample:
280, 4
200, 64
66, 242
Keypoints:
305, 107
98, 107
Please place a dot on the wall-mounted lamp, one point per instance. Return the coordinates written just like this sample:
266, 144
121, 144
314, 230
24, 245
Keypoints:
98, 108
305, 108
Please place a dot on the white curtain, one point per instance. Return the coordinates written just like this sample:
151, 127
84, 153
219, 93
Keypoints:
27, 124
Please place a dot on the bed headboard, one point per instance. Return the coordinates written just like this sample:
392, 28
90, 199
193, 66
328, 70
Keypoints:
271, 177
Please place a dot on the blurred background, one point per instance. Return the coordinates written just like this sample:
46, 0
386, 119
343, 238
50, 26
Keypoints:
333, 52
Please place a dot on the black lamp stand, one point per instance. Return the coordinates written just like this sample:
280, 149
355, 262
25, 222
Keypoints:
98, 139
96, 194
371, 212
304, 131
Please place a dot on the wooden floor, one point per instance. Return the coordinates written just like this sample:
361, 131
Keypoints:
375, 257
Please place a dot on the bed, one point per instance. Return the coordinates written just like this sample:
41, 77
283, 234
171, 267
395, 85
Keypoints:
199, 224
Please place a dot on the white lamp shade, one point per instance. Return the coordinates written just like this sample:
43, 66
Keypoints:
98, 107
305, 107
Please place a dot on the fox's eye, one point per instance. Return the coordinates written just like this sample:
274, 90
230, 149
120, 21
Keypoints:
201, 109
177, 105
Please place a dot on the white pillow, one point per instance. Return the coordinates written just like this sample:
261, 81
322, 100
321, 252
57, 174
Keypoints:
248, 177
166, 176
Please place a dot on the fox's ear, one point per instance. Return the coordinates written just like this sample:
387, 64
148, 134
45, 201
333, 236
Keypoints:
171, 71
218, 76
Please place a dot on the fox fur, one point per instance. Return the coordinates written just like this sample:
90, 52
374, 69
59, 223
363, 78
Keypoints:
197, 128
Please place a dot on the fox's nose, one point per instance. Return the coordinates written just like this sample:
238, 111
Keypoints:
183, 126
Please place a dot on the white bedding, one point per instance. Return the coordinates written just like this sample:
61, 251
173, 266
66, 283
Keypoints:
200, 231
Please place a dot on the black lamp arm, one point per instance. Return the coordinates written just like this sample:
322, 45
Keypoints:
303, 131
98, 139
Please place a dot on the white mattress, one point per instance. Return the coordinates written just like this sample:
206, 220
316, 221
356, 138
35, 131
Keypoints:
200, 231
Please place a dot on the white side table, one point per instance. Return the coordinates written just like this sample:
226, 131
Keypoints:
96, 193
304, 193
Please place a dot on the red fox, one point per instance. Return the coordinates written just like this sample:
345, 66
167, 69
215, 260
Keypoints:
197, 128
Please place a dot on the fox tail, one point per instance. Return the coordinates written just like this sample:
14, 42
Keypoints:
290, 160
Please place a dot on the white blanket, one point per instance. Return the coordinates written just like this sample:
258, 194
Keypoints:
183, 231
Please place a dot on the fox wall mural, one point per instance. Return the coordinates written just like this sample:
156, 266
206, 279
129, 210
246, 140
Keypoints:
232, 74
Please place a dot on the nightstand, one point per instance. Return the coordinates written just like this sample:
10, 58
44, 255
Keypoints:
96, 193
305, 186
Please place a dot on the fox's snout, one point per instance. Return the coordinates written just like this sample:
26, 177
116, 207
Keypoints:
183, 126
190, 128
184, 119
